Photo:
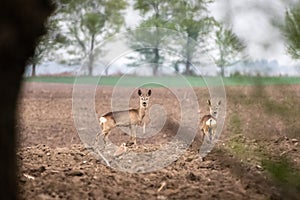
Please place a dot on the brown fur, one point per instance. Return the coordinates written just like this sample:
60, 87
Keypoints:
203, 126
208, 122
128, 118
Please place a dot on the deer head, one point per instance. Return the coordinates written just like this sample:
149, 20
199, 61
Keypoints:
213, 109
144, 98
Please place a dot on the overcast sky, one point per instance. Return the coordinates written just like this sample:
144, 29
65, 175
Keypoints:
252, 21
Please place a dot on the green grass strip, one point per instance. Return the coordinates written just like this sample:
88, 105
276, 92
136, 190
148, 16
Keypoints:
134, 81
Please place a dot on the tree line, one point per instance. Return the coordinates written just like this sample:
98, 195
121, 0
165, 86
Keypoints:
78, 26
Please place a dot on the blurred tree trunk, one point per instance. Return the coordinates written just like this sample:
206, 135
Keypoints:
33, 72
156, 61
222, 71
188, 57
156, 49
91, 56
21, 23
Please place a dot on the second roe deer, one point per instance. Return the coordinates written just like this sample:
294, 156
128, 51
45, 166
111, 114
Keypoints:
208, 123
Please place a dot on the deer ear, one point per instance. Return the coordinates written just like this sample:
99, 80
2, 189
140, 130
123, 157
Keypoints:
219, 103
149, 92
208, 102
139, 92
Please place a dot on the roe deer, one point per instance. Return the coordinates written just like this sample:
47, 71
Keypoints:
128, 118
208, 123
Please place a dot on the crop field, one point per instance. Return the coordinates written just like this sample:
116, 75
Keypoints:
257, 155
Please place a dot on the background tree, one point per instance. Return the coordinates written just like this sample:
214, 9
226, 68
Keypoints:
38, 55
191, 18
158, 17
47, 44
291, 31
187, 17
88, 23
229, 48
147, 41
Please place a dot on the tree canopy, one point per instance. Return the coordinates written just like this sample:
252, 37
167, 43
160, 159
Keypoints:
82, 24
229, 47
291, 31
88, 22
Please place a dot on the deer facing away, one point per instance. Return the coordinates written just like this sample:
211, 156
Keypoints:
127, 118
208, 123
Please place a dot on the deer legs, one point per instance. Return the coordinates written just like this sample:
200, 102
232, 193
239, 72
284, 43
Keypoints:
105, 133
144, 128
133, 133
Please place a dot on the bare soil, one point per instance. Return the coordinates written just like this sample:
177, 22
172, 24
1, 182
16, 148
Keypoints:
55, 164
